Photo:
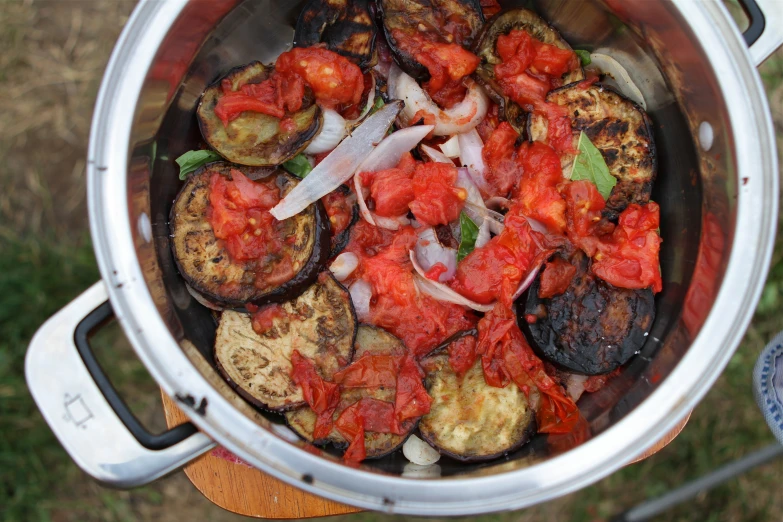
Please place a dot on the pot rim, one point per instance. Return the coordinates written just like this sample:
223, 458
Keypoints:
756, 218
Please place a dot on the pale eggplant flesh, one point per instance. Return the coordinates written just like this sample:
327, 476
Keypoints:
254, 138
343, 26
320, 324
205, 263
593, 327
486, 49
469, 420
619, 128
376, 341
444, 21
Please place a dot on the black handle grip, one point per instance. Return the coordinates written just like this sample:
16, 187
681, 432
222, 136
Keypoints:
83, 332
757, 21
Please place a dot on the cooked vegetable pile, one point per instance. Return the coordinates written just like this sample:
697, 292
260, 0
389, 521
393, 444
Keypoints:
425, 226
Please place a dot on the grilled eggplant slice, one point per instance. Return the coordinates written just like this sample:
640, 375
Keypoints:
344, 26
593, 327
256, 139
447, 21
619, 128
343, 212
486, 49
470, 420
320, 324
206, 265
376, 341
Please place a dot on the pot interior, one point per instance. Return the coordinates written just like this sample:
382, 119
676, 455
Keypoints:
696, 193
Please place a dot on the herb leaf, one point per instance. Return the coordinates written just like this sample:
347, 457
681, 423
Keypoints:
469, 232
299, 166
591, 166
584, 56
194, 159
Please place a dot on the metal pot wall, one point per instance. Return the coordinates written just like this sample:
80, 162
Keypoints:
717, 187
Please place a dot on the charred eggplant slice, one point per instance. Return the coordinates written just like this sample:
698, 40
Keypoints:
320, 324
446, 21
486, 49
593, 327
254, 138
205, 263
470, 420
343, 212
376, 341
344, 26
619, 128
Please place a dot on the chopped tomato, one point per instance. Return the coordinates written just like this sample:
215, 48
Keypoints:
366, 414
239, 215
437, 201
556, 278
462, 354
411, 400
584, 206
272, 96
322, 396
370, 371
335, 80
490, 8
489, 123
498, 154
560, 135
447, 63
541, 174
391, 190
629, 259
435, 271
339, 209
264, 317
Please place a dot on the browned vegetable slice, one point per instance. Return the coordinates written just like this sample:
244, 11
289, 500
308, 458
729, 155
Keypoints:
344, 26
619, 128
593, 327
320, 324
206, 265
373, 340
486, 49
470, 420
254, 138
343, 212
446, 21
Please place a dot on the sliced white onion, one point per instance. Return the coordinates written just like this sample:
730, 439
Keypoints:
461, 118
471, 147
497, 202
331, 134
479, 213
362, 193
429, 252
442, 292
527, 281
389, 152
367, 106
625, 84
451, 147
340, 165
200, 299
419, 452
465, 181
361, 293
393, 223
344, 265
412, 470
575, 385
483, 236
435, 155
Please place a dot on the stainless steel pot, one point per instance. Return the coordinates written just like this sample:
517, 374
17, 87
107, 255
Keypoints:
718, 188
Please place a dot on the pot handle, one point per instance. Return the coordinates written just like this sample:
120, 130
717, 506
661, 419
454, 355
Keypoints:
83, 409
765, 32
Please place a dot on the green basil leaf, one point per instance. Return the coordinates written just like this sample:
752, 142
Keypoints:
591, 166
299, 166
377, 105
469, 232
194, 159
584, 56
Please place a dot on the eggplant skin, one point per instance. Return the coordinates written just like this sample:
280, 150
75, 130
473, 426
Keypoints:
206, 265
428, 16
620, 129
376, 341
485, 47
593, 327
344, 26
340, 241
470, 420
253, 138
320, 324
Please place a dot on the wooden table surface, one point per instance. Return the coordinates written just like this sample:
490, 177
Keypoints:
247, 491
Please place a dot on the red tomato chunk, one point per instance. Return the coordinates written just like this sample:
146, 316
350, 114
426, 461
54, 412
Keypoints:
336, 81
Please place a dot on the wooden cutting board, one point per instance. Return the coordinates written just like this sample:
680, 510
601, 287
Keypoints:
247, 491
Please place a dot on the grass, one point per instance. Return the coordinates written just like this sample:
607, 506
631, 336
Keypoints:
53, 56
